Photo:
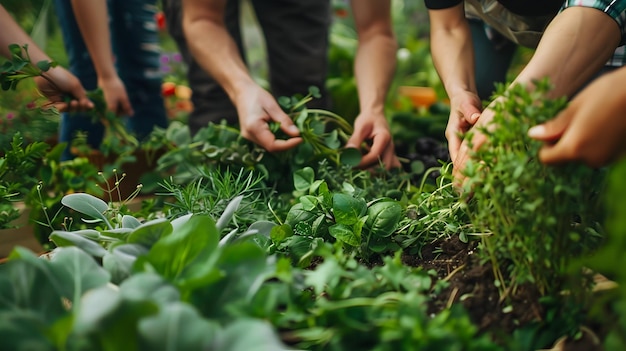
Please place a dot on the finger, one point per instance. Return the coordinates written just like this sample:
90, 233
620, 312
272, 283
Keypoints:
267, 140
551, 130
84, 104
454, 143
125, 108
390, 159
376, 151
286, 124
554, 154
470, 112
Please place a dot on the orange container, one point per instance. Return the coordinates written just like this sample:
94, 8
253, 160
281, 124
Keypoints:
419, 96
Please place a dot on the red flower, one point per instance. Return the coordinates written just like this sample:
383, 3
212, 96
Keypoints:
168, 89
159, 17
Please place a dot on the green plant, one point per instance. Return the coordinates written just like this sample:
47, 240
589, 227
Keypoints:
342, 305
68, 303
18, 169
324, 132
532, 219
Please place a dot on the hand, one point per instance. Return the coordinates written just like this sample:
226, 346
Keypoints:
375, 129
115, 96
469, 145
465, 109
465, 112
58, 85
591, 129
256, 108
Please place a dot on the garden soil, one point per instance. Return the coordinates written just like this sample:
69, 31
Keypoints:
471, 283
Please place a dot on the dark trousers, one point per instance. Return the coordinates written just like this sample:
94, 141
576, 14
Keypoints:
136, 47
492, 59
296, 35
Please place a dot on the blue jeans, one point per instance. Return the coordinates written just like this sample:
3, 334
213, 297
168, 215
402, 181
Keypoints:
137, 53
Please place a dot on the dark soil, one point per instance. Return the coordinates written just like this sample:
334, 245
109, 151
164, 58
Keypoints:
471, 283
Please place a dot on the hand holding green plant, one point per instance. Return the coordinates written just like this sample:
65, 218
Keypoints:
53, 81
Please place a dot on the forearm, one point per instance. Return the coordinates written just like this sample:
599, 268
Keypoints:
91, 17
12, 33
569, 53
452, 51
374, 67
212, 46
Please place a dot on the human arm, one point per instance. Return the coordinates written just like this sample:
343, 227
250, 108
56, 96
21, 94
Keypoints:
374, 66
216, 52
453, 57
58, 82
92, 19
591, 129
567, 63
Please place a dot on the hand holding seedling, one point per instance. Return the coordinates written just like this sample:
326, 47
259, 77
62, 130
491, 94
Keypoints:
374, 128
591, 129
256, 109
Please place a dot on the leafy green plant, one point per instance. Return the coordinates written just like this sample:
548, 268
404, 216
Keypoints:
342, 215
342, 305
18, 169
324, 132
68, 303
532, 219
20, 67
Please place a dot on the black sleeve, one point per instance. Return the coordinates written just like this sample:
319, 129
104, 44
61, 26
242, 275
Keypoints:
441, 4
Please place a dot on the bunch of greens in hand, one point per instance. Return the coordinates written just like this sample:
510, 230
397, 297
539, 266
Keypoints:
324, 132
20, 66
117, 140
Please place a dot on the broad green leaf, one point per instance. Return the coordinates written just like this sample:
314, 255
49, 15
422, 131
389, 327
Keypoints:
105, 315
280, 232
87, 204
62, 238
119, 261
23, 330
171, 255
177, 326
298, 214
348, 209
149, 286
309, 202
383, 217
77, 272
262, 228
243, 269
150, 232
303, 178
249, 334
29, 284
130, 222
117, 233
345, 234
